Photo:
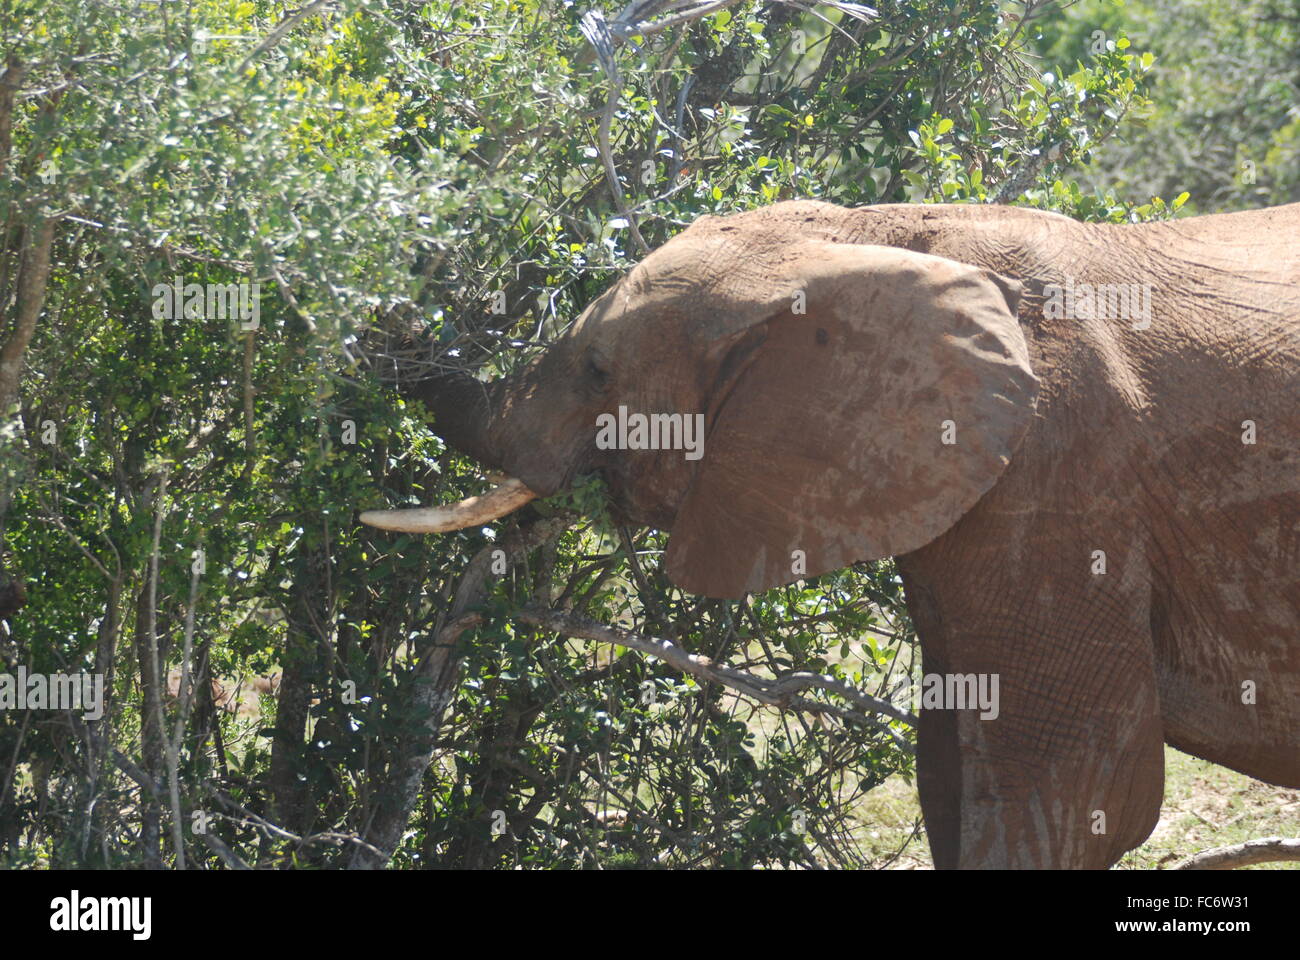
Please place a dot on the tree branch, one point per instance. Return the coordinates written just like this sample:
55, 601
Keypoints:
33, 278
777, 692
278, 34
1262, 850
228, 856
10, 80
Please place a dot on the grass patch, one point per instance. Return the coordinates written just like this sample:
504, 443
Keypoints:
1205, 806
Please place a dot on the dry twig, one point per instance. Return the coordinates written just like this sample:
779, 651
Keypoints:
1261, 850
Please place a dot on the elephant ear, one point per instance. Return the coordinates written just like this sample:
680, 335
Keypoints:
863, 427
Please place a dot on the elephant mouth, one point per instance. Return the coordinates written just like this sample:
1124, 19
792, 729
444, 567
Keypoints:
506, 497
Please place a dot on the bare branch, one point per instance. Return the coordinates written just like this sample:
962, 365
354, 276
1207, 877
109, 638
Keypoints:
778, 692
278, 34
172, 744
596, 31
631, 20
248, 818
228, 856
1262, 850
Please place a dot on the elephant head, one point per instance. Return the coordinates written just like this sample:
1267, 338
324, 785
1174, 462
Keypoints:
822, 403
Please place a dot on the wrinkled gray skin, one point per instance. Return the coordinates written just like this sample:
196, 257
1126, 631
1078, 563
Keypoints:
1074, 436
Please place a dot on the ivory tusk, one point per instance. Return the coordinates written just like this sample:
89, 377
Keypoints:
470, 512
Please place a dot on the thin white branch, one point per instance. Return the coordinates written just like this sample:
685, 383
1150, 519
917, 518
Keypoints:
1262, 850
778, 691
276, 35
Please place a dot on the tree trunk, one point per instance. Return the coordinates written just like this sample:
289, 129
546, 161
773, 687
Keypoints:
151, 746
432, 688
33, 277
306, 625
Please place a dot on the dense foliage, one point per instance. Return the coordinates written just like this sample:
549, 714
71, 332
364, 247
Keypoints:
1223, 123
180, 490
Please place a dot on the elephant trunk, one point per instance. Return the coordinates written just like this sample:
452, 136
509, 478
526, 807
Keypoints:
462, 409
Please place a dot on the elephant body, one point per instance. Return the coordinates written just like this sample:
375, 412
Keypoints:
1136, 450
1112, 525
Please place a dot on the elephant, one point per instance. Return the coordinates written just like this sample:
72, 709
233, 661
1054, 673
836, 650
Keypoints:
1079, 441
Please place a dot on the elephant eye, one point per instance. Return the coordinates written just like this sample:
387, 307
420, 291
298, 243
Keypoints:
596, 372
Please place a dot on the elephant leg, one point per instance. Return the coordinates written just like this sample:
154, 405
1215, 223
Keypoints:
1070, 772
